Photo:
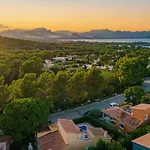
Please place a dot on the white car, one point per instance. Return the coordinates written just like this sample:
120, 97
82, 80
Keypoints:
113, 105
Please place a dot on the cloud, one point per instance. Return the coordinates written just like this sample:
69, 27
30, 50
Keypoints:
3, 26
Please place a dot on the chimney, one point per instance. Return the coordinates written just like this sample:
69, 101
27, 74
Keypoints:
105, 133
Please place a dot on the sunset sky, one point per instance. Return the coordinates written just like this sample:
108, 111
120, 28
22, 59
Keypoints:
75, 15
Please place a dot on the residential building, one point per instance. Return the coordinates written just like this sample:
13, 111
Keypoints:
5, 142
142, 143
128, 118
110, 68
60, 59
48, 64
65, 135
63, 59
142, 112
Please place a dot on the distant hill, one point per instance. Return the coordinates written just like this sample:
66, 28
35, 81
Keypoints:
42, 34
19, 44
108, 34
39, 34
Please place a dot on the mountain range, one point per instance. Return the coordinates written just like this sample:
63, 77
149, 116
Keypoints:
42, 34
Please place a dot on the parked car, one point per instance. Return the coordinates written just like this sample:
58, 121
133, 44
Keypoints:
113, 105
50, 122
86, 113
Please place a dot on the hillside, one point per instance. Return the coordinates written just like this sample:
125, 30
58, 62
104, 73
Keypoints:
11, 43
45, 35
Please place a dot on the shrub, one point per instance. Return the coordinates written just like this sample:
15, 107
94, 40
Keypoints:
95, 113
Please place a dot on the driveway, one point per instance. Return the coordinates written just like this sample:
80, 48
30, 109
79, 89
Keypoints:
77, 112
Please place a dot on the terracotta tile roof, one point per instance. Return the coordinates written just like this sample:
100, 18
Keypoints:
48, 128
97, 131
113, 111
141, 106
6, 139
69, 126
143, 140
122, 116
5, 142
129, 120
53, 141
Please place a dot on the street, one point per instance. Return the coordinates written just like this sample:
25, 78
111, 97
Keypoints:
77, 112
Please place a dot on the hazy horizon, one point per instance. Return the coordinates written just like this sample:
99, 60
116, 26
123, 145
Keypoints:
75, 15
7, 29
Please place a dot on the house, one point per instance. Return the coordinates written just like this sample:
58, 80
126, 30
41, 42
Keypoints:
128, 118
142, 112
142, 143
69, 58
48, 64
60, 59
63, 59
5, 142
110, 68
50, 138
87, 66
65, 135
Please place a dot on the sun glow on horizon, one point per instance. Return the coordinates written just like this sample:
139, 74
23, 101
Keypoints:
74, 15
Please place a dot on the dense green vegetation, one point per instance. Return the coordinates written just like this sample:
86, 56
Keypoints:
22, 117
102, 145
131, 70
24, 79
66, 85
134, 95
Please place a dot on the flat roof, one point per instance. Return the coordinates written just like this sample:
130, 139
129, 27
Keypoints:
141, 106
143, 140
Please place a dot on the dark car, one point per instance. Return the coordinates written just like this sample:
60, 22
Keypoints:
86, 113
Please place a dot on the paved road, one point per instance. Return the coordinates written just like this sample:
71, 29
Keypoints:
77, 112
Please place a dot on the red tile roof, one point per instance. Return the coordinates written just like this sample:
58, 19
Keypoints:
68, 126
124, 117
53, 141
97, 131
143, 140
141, 106
6, 139
113, 112
129, 120
5, 142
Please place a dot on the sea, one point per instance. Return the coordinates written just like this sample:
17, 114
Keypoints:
110, 40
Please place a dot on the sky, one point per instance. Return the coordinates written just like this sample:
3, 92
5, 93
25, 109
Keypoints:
75, 15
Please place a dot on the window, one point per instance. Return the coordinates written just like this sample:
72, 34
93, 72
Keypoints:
146, 117
121, 126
